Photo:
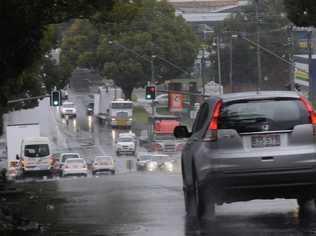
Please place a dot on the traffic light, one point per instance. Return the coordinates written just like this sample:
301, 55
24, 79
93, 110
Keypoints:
150, 92
55, 98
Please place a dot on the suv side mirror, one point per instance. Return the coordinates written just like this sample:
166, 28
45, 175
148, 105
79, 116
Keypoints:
17, 157
181, 132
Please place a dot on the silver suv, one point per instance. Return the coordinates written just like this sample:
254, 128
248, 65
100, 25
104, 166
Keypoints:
246, 146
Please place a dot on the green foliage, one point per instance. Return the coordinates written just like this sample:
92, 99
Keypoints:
148, 28
274, 35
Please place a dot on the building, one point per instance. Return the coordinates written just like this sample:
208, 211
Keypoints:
206, 12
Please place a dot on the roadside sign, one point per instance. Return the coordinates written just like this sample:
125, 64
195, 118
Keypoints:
176, 102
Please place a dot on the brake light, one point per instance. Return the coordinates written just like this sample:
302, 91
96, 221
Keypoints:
51, 161
157, 147
311, 112
179, 147
310, 109
212, 131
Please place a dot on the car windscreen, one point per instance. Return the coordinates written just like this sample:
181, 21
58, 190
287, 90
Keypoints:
65, 157
36, 150
125, 139
145, 157
68, 105
263, 115
122, 105
79, 161
163, 137
103, 159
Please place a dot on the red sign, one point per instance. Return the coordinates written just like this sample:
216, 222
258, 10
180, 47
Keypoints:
176, 102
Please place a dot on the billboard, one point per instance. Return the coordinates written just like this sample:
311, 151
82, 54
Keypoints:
176, 102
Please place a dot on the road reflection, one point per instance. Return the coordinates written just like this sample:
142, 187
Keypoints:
292, 223
90, 122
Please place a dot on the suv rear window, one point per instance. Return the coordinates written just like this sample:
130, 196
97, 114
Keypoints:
263, 115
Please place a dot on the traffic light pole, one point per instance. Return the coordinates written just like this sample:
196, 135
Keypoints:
152, 101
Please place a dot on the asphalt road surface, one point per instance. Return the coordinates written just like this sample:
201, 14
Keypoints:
131, 202
147, 204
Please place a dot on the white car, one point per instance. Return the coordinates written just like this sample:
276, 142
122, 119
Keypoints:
65, 156
129, 135
75, 166
125, 145
68, 109
103, 164
162, 100
150, 161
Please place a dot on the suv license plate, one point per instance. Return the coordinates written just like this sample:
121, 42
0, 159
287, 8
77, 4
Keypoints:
259, 141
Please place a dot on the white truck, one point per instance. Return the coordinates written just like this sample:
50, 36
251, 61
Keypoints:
121, 113
102, 102
15, 135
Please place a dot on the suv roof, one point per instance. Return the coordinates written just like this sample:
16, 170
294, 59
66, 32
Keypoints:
259, 95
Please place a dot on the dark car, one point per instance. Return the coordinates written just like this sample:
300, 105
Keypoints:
244, 146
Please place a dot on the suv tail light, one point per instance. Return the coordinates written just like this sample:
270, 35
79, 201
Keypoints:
311, 112
212, 130
157, 147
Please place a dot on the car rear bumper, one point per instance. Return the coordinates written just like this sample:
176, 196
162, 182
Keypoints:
75, 172
263, 184
37, 168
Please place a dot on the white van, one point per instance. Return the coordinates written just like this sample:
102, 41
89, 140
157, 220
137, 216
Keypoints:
35, 155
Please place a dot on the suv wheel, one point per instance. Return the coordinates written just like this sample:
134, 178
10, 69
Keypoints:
204, 201
306, 205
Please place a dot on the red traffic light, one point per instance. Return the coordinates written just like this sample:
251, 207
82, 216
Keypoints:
150, 92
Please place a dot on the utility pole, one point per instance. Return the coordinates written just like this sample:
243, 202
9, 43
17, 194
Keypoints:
310, 67
231, 64
292, 66
202, 69
152, 82
219, 69
259, 79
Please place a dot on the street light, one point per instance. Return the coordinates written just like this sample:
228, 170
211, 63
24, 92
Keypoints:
233, 36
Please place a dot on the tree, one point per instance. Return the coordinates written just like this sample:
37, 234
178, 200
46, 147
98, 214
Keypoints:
24, 44
301, 13
274, 35
154, 30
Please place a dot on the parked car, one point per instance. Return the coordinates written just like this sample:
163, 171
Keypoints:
103, 164
251, 145
75, 166
68, 109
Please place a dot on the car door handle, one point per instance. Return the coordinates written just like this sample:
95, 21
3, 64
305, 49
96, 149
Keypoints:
267, 158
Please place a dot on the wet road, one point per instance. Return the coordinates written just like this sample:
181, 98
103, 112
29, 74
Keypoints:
132, 203
148, 204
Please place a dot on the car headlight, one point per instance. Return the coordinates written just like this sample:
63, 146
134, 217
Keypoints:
113, 119
130, 119
152, 165
168, 166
